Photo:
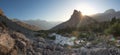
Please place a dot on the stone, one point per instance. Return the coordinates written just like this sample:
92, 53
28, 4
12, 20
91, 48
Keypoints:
6, 43
14, 52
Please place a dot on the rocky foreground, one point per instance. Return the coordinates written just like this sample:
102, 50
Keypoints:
17, 44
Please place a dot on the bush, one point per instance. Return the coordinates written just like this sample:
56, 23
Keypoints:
52, 38
114, 29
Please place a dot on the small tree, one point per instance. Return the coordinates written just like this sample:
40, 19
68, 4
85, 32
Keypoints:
113, 20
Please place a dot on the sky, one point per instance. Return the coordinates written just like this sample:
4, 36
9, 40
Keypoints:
54, 10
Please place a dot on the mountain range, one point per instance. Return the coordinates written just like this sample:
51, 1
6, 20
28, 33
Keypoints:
107, 15
42, 24
26, 25
76, 20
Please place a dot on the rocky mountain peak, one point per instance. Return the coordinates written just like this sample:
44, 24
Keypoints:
110, 11
76, 12
76, 16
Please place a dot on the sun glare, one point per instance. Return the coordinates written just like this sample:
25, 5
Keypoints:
86, 9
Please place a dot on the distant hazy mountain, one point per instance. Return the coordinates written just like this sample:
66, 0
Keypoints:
44, 25
28, 26
76, 20
107, 15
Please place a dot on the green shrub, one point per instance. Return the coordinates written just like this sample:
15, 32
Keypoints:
52, 38
114, 29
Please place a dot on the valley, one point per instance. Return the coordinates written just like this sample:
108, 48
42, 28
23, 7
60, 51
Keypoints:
80, 35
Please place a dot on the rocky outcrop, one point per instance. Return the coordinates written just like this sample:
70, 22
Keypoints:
15, 43
76, 20
14, 26
10, 25
14, 39
1, 12
71, 23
